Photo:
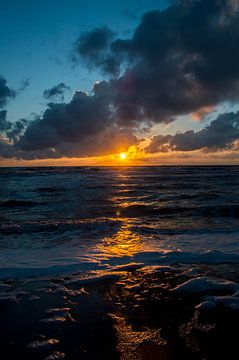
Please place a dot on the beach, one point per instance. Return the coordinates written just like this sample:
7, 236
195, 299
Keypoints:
153, 312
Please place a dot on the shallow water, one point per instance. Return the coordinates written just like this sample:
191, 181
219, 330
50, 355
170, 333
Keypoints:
65, 218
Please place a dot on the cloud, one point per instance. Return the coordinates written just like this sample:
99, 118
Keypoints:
16, 129
11, 130
4, 124
5, 92
85, 115
85, 126
6, 149
177, 61
93, 47
219, 134
56, 92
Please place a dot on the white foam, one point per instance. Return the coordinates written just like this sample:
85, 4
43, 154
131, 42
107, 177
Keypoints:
55, 320
206, 305
56, 355
204, 284
42, 345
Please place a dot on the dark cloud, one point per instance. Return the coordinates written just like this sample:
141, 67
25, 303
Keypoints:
5, 92
10, 130
177, 61
4, 124
16, 129
7, 127
84, 127
6, 149
92, 43
85, 115
220, 134
93, 46
56, 92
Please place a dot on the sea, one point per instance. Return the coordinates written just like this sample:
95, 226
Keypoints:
61, 219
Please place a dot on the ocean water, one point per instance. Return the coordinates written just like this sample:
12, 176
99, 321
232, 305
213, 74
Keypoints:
59, 219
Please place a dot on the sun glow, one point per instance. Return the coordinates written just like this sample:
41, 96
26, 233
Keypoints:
123, 156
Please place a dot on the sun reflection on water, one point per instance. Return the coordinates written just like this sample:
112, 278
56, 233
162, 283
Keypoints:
124, 243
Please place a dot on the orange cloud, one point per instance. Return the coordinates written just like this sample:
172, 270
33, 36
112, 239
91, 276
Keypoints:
202, 112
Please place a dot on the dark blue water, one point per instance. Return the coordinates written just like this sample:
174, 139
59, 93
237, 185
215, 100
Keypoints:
89, 216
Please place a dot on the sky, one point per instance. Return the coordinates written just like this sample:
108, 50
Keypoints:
37, 39
82, 82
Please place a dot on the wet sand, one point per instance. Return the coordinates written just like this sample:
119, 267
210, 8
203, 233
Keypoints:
132, 313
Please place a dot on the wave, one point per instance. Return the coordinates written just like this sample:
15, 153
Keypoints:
50, 189
39, 263
146, 210
217, 211
231, 211
10, 228
97, 208
17, 203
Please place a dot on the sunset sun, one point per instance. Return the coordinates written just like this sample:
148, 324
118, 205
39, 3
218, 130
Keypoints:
123, 156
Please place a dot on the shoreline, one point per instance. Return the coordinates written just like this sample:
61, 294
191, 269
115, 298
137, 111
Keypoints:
135, 312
